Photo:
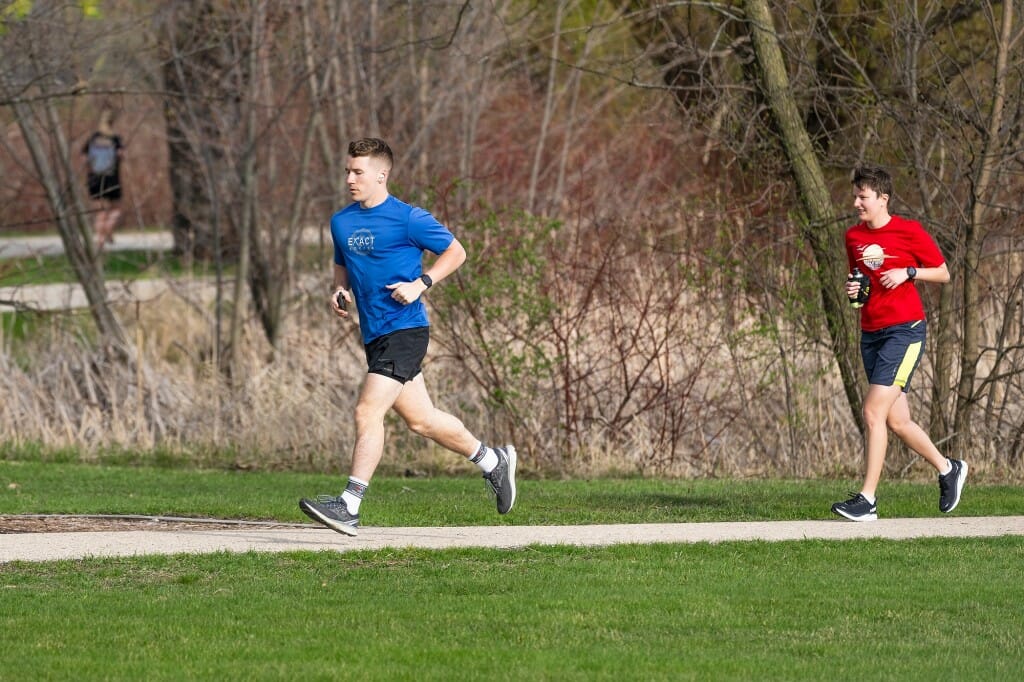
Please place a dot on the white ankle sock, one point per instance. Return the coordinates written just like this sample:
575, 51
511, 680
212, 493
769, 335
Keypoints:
486, 461
869, 498
353, 495
949, 467
352, 502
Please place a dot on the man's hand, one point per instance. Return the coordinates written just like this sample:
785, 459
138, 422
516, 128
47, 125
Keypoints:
893, 278
340, 300
407, 292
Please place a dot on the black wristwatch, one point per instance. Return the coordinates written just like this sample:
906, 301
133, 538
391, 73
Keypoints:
426, 280
911, 272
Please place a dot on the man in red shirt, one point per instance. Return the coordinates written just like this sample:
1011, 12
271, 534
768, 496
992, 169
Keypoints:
893, 252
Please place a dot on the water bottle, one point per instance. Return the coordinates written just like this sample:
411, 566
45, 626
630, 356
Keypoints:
865, 288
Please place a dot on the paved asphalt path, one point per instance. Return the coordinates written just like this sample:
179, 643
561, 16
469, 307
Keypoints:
78, 545
70, 296
51, 245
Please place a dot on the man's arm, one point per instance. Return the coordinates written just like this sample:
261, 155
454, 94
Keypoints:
340, 277
450, 260
447, 262
897, 276
340, 287
939, 275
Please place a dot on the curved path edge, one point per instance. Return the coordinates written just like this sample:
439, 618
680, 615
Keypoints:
80, 545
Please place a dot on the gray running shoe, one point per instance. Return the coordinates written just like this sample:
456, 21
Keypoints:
951, 485
331, 512
857, 508
502, 480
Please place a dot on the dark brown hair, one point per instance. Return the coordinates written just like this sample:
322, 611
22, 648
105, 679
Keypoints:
374, 148
873, 177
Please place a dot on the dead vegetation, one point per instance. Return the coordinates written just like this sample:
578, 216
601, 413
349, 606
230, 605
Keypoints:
671, 323
631, 363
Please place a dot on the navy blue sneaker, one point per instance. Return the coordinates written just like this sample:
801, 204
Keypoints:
857, 508
951, 485
502, 480
331, 512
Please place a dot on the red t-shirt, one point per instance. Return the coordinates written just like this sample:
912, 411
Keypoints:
900, 243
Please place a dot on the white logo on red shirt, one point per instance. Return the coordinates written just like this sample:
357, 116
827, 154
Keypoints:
873, 256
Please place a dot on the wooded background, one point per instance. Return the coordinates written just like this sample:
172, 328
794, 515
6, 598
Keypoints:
653, 195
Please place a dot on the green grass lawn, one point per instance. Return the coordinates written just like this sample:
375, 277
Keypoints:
807, 610
912, 610
126, 264
50, 487
117, 265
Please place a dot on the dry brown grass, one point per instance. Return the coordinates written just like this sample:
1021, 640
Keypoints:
291, 411
725, 410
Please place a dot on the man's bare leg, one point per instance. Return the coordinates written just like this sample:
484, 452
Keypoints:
911, 433
377, 396
498, 464
877, 406
417, 409
341, 513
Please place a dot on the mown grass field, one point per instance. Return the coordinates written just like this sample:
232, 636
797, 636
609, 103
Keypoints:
35, 486
52, 269
923, 609
127, 264
917, 610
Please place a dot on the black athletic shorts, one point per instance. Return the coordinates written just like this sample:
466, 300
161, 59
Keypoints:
892, 354
398, 355
104, 187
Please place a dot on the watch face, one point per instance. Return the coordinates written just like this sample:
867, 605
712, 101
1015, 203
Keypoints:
911, 272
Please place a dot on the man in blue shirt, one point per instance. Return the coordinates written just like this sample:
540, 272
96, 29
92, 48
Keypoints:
378, 249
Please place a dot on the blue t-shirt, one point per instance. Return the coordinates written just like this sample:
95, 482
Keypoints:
380, 246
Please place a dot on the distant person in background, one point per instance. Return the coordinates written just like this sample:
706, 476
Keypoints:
103, 151
894, 253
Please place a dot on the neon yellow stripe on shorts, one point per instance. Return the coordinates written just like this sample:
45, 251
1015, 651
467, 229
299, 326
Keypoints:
907, 366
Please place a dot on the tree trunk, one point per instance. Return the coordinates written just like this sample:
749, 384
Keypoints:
984, 183
247, 229
195, 60
549, 105
822, 227
70, 219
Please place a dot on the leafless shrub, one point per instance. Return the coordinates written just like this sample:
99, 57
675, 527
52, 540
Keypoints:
601, 350
636, 368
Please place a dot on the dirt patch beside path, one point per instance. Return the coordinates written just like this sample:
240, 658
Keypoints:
60, 523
